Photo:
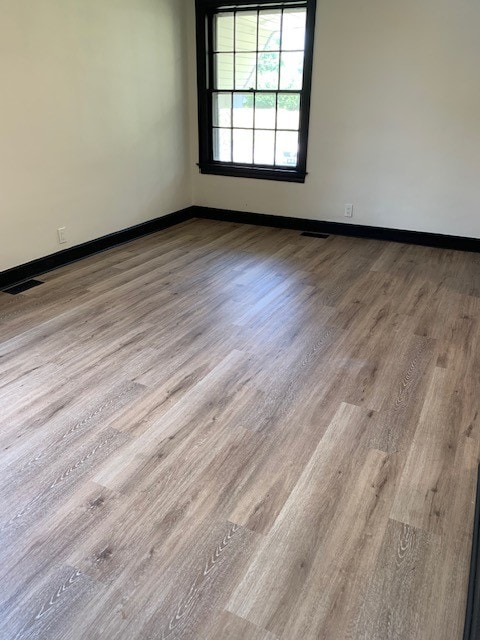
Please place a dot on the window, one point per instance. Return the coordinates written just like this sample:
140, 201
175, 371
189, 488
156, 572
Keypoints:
254, 78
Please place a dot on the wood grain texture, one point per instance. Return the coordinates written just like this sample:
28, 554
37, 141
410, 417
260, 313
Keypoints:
392, 603
230, 627
225, 432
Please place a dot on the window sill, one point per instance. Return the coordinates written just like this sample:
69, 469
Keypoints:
259, 173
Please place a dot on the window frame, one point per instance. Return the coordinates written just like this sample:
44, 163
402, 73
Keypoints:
205, 12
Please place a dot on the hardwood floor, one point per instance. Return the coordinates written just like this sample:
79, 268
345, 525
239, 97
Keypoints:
226, 432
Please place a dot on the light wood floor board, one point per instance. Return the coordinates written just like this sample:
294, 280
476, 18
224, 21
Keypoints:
228, 432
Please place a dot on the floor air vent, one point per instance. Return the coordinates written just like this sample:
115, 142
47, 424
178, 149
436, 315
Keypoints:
472, 618
24, 286
312, 234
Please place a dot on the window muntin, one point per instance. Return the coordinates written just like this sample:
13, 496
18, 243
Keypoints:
255, 107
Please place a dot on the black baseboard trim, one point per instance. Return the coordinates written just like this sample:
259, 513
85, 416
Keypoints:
37, 267
29, 270
472, 617
340, 229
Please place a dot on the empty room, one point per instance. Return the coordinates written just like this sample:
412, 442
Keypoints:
239, 320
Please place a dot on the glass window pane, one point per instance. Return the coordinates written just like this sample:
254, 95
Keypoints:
224, 32
224, 71
293, 33
222, 145
288, 116
268, 70
246, 31
257, 53
265, 110
243, 146
264, 150
287, 149
291, 72
243, 110
222, 109
245, 70
269, 26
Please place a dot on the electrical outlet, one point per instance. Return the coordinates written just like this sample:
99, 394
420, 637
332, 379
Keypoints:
62, 235
349, 210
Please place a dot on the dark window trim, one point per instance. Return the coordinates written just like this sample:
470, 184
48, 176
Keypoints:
205, 10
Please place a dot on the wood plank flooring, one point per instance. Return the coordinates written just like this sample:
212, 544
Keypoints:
227, 432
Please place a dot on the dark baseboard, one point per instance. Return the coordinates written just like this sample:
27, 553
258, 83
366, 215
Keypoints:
340, 229
29, 270
472, 617
37, 267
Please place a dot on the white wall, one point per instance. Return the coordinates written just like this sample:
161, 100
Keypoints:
395, 121
93, 119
